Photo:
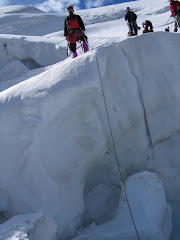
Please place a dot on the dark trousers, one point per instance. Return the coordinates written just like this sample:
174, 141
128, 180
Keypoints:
133, 28
177, 21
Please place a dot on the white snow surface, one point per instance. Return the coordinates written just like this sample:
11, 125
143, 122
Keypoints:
58, 116
19, 9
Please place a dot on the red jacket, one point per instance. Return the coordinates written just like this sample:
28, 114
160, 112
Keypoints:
175, 7
73, 21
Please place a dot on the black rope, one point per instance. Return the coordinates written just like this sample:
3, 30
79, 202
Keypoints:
68, 47
165, 24
116, 152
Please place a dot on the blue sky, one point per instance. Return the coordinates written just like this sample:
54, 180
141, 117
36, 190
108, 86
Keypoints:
60, 5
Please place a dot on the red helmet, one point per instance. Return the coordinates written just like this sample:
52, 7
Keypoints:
70, 7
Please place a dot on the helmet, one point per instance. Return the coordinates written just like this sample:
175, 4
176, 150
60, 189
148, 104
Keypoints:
70, 7
128, 8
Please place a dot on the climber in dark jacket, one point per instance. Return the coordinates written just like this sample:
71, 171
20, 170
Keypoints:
131, 18
148, 27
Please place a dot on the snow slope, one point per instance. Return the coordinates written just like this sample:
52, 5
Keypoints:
57, 153
23, 23
19, 9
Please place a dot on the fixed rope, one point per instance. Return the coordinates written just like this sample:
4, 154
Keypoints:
165, 24
114, 147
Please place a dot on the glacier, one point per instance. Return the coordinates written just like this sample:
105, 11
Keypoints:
81, 138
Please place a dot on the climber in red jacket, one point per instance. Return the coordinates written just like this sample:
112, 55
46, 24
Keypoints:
74, 31
175, 10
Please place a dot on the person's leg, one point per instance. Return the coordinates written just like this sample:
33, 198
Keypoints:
130, 29
178, 20
72, 45
135, 28
175, 24
151, 28
84, 38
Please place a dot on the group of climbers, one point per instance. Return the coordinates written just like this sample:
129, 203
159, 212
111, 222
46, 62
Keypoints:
74, 29
131, 17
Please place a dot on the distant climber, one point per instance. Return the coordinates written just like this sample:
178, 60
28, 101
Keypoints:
74, 30
175, 11
148, 27
131, 18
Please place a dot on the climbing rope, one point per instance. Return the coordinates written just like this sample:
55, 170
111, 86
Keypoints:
165, 24
114, 147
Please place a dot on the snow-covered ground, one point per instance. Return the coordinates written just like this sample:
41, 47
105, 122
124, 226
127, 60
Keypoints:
89, 146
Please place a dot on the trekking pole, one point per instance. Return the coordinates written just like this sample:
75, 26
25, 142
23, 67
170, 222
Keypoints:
168, 20
171, 27
67, 46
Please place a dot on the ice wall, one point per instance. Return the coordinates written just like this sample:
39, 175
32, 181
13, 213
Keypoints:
144, 108
31, 51
51, 134
55, 138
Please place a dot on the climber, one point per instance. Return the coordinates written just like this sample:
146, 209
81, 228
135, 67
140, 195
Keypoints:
74, 30
148, 27
175, 10
131, 18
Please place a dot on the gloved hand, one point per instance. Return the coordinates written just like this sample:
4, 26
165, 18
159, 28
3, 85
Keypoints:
66, 37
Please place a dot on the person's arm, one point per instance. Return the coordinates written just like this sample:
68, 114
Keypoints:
65, 27
126, 17
175, 8
81, 24
172, 10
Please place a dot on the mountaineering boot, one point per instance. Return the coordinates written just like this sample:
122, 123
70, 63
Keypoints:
74, 54
85, 46
175, 29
